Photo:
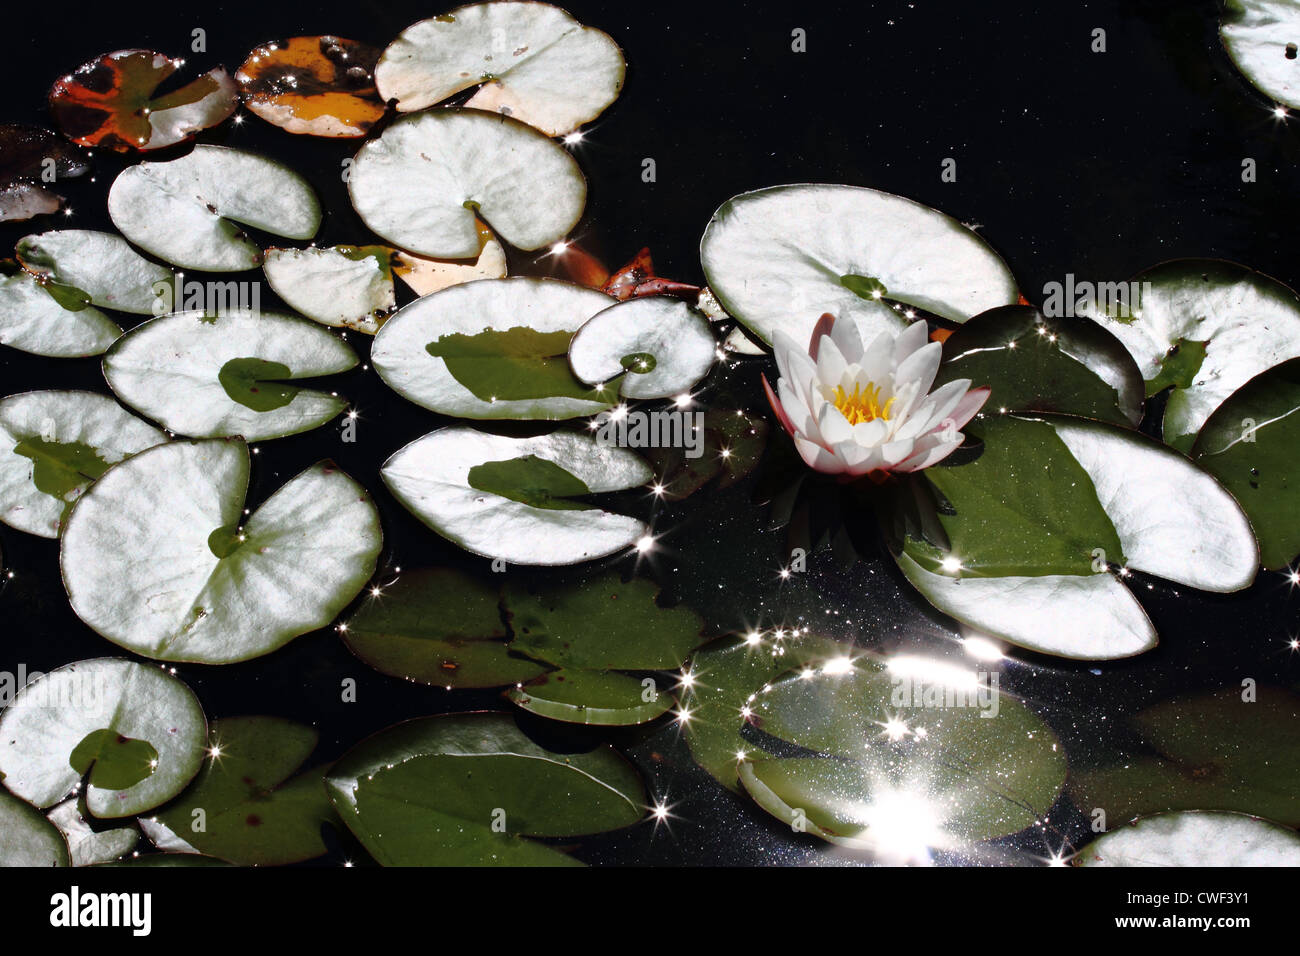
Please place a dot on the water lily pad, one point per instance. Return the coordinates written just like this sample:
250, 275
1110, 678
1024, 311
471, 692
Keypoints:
779, 258
254, 811
53, 444
44, 318
1262, 37
318, 86
1206, 752
27, 838
348, 287
209, 376
51, 719
432, 478
87, 845
731, 446
471, 789
428, 179
492, 349
27, 154
662, 344
159, 558
920, 754
1195, 839
604, 624
438, 626
187, 211
535, 63
591, 697
1205, 327
728, 674
1065, 365
1249, 445
98, 267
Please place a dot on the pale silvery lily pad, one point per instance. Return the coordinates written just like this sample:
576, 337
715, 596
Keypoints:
660, 345
495, 348
427, 179
342, 286
38, 317
27, 838
534, 61
1206, 327
100, 265
444, 477
209, 376
100, 718
1195, 838
1262, 38
779, 258
88, 846
53, 444
160, 558
187, 211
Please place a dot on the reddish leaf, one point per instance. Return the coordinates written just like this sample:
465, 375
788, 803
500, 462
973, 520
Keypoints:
318, 86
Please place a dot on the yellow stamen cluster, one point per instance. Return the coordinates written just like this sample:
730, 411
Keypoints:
862, 404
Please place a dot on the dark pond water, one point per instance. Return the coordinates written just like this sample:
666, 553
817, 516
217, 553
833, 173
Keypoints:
1096, 164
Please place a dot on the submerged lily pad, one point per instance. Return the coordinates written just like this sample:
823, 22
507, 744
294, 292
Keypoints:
1195, 839
433, 478
1035, 364
1262, 37
920, 754
534, 61
428, 179
27, 838
53, 444
599, 698
492, 349
1249, 444
99, 268
254, 811
47, 727
110, 102
28, 155
187, 211
664, 346
730, 447
1205, 327
319, 86
44, 318
211, 376
159, 557
471, 790
437, 626
778, 258
347, 287
88, 845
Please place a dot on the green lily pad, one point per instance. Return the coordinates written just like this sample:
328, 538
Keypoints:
591, 697
495, 348
1261, 37
211, 376
1034, 364
140, 566
346, 287
533, 481
168, 860
27, 838
919, 754
437, 626
87, 845
38, 317
1195, 839
1249, 444
53, 445
107, 698
471, 790
254, 811
664, 346
431, 478
604, 624
778, 258
113, 761
1205, 327
731, 446
187, 211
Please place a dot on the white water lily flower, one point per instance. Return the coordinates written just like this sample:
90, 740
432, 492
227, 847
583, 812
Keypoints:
857, 411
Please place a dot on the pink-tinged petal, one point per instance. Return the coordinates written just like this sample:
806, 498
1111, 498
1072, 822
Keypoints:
817, 457
782, 348
912, 338
835, 428
942, 401
931, 454
824, 326
970, 403
777, 407
906, 396
797, 410
921, 367
891, 453
848, 339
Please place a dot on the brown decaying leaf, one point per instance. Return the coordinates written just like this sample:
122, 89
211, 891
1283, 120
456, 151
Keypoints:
109, 102
426, 276
30, 158
317, 86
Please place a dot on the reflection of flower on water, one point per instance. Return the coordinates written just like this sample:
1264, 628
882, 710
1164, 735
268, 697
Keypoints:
857, 411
